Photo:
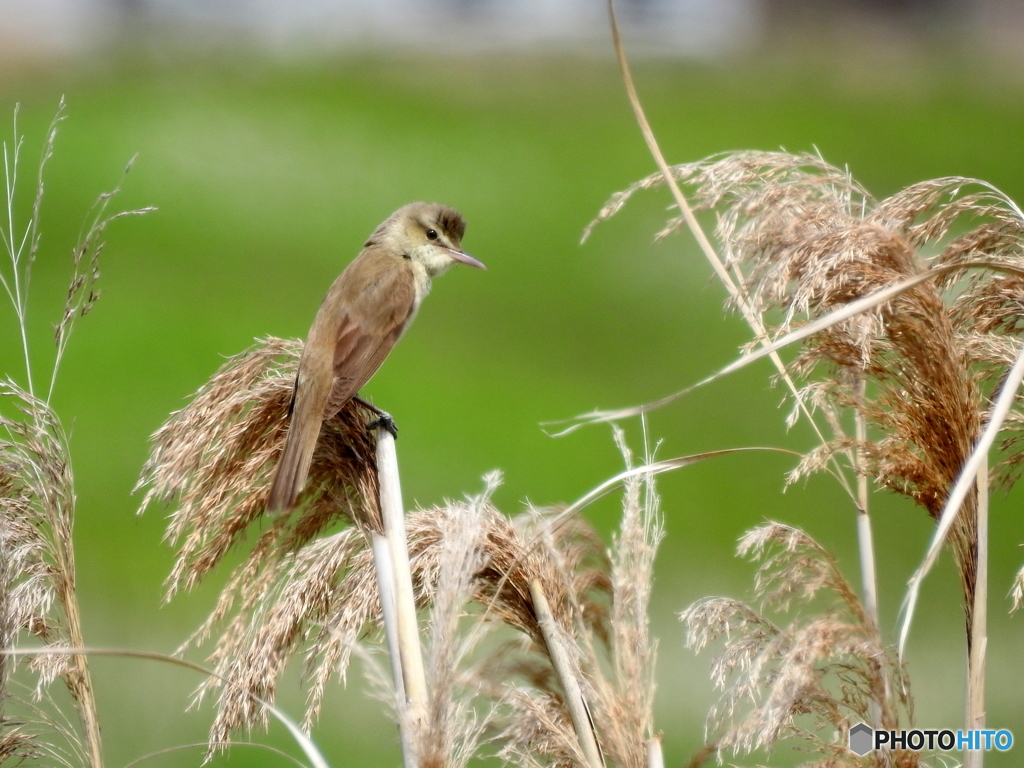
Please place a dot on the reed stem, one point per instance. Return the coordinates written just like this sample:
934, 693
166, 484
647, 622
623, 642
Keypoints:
407, 640
565, 669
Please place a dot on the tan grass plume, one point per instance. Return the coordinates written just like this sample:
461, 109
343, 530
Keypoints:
807, 239
807, 683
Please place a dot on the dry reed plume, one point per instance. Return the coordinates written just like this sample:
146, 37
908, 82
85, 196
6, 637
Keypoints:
215, 458
907, 315
303, 590
38, 596
612, 649
905, 387
920, 369
809, 681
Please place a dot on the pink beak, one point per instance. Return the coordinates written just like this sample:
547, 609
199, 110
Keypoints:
465, 258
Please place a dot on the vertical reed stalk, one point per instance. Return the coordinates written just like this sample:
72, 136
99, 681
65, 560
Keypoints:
865, 539
979, 628
566, 670
80, 681
412, 712
385, 572
655, 758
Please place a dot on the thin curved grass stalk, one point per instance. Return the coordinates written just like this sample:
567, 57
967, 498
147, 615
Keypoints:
202, 745
308, 746
1008, 397
831, 320
736, 288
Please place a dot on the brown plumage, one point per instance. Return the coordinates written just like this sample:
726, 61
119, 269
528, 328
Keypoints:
365, 312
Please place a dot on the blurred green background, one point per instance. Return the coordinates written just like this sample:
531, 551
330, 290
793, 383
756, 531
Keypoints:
269, 172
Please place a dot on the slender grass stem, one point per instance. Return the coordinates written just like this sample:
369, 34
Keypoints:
866, 542
865, 539
735, 288
13, 287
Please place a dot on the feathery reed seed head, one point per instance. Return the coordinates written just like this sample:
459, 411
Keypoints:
802, 238
215, 458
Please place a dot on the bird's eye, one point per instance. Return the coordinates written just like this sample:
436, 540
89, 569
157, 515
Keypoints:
431, 234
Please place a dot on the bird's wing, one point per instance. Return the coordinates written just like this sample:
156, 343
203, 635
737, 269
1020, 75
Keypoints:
370, 325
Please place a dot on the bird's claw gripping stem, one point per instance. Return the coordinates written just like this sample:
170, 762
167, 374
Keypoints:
383, 418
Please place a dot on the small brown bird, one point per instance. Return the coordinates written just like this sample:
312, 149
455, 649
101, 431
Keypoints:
363, 315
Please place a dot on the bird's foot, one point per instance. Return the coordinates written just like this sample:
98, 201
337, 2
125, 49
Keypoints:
383, 418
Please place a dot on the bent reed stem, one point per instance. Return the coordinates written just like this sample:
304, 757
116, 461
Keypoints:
564, 666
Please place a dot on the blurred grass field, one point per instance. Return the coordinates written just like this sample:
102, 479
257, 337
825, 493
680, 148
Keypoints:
268, 176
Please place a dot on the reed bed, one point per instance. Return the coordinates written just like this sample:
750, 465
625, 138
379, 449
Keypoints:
528, 637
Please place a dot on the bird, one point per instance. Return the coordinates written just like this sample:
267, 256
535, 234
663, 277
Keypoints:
362, 317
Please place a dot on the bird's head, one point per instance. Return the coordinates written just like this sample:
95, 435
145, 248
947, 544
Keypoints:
429, 234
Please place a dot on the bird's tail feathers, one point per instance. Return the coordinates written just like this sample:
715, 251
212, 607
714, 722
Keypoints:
293, 466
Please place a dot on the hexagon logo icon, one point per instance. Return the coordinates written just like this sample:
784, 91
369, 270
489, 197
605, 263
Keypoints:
861, 739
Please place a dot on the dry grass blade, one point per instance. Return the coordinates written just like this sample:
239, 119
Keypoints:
729, 274
978, 459
559, 649
567, 565
836, 317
